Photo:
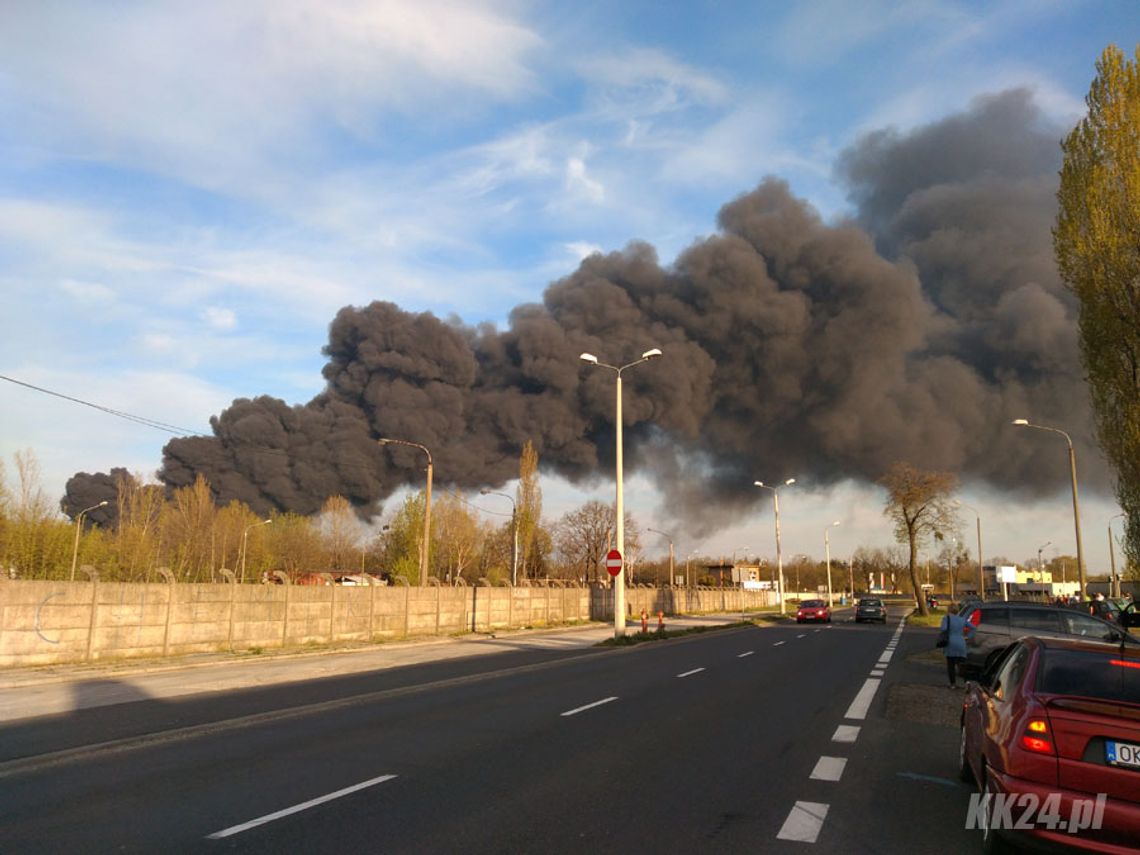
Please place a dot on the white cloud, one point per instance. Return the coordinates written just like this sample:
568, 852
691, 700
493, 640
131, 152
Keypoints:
223, 94
220, 319
581, 184
87, 292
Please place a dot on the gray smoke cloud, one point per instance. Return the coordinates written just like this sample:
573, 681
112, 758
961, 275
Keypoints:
913, 331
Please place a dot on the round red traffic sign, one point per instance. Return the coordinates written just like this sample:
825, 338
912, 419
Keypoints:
613, 562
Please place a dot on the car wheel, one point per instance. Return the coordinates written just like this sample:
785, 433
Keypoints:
965, 773
992, 842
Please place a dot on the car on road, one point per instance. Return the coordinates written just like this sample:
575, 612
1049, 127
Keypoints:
1051, 736
996, 624
813, 610
870, 608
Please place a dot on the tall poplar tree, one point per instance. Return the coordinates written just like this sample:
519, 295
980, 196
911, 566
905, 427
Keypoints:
1097, 244
528, 500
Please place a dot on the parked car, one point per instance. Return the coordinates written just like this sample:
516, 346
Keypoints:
996, 624
1056, 717
1107, 609
813, 610
870, 608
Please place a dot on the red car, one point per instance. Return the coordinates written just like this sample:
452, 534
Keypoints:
1051, 735
813, 610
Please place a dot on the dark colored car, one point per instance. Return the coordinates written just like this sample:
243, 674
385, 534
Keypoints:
996, 624
1051, 736
870, 608
1106, 609
813, 610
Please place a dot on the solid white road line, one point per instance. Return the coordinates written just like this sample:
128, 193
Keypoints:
804, 822
862, 702
829, 769
745, 653
589, 706
253, 823
846, 733
691, 673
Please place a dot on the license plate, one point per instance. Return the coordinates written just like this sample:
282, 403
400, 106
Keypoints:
1123, 754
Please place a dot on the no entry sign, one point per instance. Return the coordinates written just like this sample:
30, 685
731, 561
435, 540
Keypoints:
613, 562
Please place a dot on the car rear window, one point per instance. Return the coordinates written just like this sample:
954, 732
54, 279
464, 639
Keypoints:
1106, 676
811, 604
998, 615
874, 603
1041, 620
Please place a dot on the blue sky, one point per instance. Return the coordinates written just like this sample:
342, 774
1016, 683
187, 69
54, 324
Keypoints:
190, 190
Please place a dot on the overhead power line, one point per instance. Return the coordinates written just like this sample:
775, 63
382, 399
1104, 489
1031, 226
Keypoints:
142, 420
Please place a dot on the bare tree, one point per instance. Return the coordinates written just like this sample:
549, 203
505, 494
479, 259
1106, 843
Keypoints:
583, 535
919, 503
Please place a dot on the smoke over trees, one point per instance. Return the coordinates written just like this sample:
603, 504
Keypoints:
914, 331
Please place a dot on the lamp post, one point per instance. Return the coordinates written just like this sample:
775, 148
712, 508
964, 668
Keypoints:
514, 534
619, 511
981, 575
779, 556
669, 538
688, 574
1115, 584
827, 552
78, 529
1076, 506
1040, 564
245, 544
425, 543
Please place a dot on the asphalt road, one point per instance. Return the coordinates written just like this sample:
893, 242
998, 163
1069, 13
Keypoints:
741, 740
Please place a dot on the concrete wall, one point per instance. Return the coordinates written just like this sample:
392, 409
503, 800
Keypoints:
44, 622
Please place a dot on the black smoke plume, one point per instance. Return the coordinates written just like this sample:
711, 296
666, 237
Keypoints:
914, 331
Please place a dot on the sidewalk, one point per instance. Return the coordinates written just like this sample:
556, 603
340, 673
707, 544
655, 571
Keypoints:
49, 690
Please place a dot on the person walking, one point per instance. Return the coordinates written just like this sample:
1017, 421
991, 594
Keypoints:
956, 628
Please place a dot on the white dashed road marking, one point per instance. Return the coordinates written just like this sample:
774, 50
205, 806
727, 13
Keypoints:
745, 653
589, 706
804, 822
691, 673
829, 769
269, 817
846, 733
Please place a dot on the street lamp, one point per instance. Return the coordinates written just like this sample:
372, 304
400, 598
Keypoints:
1040, 564
424, 544
619, 511
688, 574
981, 575
669, 538
1076, 506
779, 556
827, 552
514, 534
1112, 559
245, 544
78, 529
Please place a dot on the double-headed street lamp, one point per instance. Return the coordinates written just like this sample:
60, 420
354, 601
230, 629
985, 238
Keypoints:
1040, 565
245, 543
827, 552
424, 544
514, 533
78, 529
1076, 506
619, 511
779, 557
669, 538
981, 574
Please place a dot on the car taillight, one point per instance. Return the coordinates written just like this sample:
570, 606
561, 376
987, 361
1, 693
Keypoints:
1036, 737
1124, 663
976, 617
